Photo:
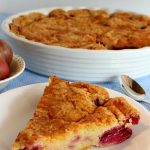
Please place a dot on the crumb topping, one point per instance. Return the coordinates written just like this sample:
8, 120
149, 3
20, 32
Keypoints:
85, 28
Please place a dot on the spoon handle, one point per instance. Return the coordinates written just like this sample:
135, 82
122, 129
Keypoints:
145, 101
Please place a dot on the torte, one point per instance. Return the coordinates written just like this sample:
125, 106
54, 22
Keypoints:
77, 116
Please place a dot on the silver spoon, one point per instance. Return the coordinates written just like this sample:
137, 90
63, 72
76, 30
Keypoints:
132, 88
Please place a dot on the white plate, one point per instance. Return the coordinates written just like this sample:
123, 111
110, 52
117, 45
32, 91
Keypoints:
17, 107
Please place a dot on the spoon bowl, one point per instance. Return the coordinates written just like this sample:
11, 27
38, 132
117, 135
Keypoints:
132, 88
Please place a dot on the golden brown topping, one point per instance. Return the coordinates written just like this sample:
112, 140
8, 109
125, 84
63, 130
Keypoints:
85, 28
122, 105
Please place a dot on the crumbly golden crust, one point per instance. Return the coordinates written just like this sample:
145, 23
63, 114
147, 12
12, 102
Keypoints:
121, 109
121, 105
69, 109
85, 28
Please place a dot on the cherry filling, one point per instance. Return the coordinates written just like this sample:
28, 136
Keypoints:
115, 136
33, 148
134, 119
97, 103
74, 141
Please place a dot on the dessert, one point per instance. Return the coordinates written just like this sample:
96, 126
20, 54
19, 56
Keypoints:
85, 28
77, 116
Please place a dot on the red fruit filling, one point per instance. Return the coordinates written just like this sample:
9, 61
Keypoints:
115, 136
134, 119
97, 102
74, 141
33, 148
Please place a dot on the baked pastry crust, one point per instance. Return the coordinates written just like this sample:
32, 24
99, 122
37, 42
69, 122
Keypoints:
85, 28
71, 112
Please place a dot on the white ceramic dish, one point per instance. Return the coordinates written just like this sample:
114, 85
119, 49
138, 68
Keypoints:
23, 100
78, 64
16, 68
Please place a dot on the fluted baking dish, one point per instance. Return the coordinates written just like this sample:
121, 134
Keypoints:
78, 64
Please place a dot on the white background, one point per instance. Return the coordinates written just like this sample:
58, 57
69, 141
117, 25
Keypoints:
14, 6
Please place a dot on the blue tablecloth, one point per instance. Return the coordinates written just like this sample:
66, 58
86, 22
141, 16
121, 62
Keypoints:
29, 77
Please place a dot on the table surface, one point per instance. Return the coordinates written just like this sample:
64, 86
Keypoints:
28, 77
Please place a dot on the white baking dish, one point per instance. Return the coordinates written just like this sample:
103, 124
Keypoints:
78, 64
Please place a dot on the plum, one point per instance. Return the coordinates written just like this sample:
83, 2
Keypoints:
6, 51
4, 69
6, 55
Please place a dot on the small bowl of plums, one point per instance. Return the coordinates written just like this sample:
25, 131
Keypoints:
11, 65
